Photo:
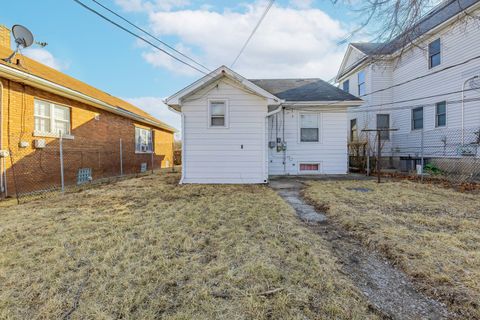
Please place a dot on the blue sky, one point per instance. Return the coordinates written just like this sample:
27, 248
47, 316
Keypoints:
298, 38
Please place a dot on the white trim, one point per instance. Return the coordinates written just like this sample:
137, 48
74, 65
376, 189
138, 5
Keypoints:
182, 179
435, 115
41, 134
334, 103
223, 71
226, 115
319, 125
51, 118
40, 83
441, 54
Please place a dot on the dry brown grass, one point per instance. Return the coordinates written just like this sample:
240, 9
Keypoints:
147, 248
432, 233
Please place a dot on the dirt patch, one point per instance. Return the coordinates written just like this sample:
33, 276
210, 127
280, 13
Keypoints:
388, 289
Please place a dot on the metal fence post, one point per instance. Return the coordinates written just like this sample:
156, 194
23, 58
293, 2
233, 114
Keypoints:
61, 162
151, 153
421, 156
121, 158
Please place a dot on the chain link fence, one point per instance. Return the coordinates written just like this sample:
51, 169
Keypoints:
451, 155
63, 165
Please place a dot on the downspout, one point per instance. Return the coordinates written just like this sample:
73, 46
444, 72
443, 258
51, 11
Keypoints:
463, 107
284, 149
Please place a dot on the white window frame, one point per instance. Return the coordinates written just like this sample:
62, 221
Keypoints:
412, 122
319, 123
51, 118
147, 151
319, 163
360, 83
209, 113
440, 54
446, 115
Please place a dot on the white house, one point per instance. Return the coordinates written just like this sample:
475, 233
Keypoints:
425, 83
236, 130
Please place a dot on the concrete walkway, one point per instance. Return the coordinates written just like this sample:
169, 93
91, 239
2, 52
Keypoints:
387, 288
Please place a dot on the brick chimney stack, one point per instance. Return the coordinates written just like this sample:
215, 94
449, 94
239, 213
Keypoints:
4, 37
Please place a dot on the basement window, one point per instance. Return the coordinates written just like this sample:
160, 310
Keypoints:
51, 119
310, 167
143, 140
217, 113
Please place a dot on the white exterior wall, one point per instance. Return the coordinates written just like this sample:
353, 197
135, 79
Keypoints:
459, 42
330, 152
215, 155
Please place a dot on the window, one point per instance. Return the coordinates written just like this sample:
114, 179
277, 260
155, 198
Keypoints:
346, 85
434, 58
417, 118
353, 130
217, 113
143, 140
383, 122
441, 114
309, 166
51, 118
309, 127
361, 83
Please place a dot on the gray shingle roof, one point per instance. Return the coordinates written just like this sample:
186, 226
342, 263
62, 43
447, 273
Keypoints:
303, 90
443, 12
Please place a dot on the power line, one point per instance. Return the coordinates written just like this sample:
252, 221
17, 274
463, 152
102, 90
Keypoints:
422, 76
253, 32
149, 34
137, 36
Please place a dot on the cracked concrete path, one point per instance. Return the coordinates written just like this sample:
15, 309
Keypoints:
388, 289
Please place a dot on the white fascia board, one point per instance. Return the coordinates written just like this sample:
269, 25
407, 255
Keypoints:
340, 103
176, 99
38, 82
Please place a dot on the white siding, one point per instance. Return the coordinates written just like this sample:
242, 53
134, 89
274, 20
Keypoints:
215, 155
330, 152
459, 43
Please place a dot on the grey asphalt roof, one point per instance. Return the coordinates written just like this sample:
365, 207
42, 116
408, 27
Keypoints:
303, 90
443, 12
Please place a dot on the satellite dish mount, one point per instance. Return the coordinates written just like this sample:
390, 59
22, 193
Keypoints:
23, 38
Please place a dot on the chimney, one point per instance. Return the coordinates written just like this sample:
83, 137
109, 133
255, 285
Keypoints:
4, 37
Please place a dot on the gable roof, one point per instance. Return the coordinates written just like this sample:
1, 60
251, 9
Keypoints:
440, 14
223, 71
118, 106
305, 90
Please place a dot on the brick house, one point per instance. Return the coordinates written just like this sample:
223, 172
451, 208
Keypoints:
102, 135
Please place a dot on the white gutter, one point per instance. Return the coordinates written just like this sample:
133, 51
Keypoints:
463, 106
17, 75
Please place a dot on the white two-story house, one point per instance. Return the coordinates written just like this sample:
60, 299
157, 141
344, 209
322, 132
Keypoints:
425, 83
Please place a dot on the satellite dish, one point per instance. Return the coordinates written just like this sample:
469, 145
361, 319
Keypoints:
23, 38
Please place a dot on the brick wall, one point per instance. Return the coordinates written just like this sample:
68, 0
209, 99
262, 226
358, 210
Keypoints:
4, 36
96, 142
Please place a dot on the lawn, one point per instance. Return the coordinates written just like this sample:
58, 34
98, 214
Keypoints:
148, 248
432, 233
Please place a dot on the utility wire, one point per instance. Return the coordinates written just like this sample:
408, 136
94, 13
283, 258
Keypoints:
423, 76
138, 36
149, 34
253, 32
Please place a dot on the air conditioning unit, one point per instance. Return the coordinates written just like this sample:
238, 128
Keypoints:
144, 148
39, 143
